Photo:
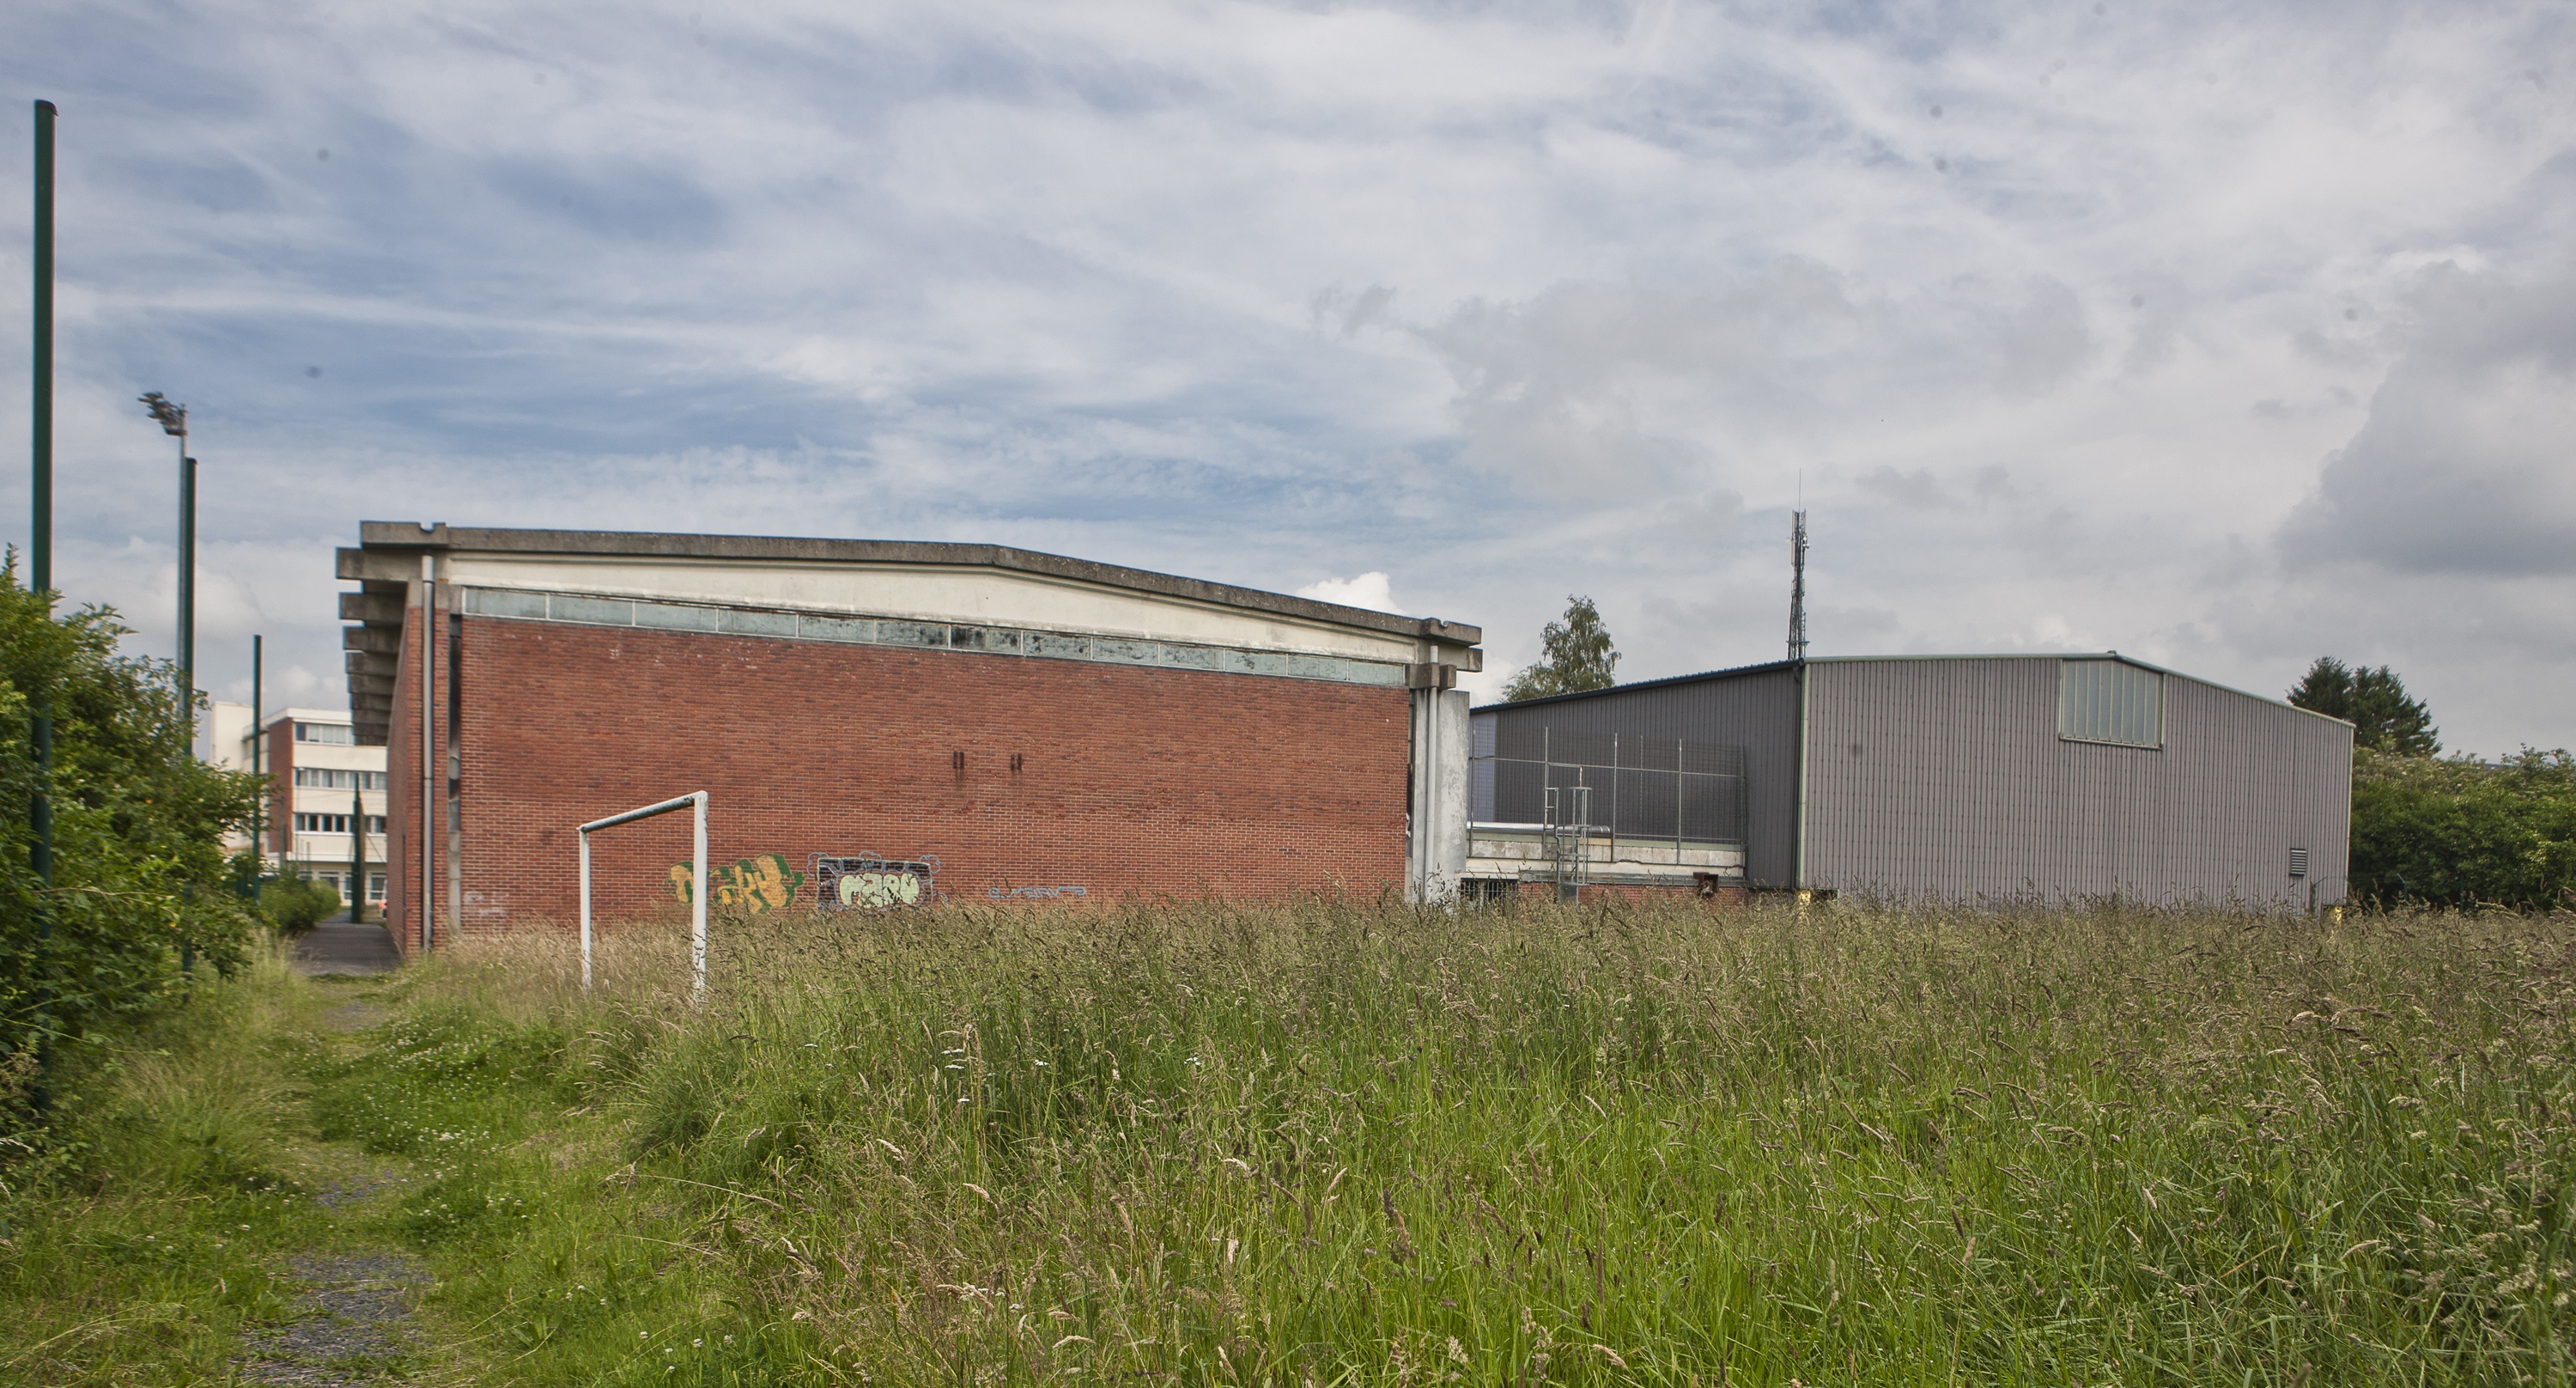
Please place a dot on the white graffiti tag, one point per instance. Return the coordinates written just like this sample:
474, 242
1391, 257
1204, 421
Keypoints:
874, 891
866, 882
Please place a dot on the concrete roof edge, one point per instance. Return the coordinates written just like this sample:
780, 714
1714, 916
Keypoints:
409, 536
304, 713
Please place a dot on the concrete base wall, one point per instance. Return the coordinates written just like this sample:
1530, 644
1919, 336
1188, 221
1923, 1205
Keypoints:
1714, 896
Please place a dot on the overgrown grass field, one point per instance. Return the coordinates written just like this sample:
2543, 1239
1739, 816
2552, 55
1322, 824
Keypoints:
1340, 1144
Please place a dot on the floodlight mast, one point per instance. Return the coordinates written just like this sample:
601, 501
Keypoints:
697, 886
173, 419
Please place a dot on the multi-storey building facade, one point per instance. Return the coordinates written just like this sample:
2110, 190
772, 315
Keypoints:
321, 782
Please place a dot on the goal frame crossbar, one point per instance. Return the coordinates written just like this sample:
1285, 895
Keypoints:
694, 800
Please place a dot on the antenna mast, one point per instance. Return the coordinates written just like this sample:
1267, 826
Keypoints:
1797, 585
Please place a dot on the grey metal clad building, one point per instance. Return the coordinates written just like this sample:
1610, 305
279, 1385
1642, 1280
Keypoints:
1953, 778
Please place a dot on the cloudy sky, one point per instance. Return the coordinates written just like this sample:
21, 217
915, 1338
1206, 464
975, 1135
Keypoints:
2227, 334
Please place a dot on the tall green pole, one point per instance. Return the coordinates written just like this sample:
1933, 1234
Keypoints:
40, 547
259, 768
188, 594
187, 629
40, 576
357, 850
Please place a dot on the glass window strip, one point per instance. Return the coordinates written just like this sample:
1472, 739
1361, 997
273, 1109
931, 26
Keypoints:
2110, 701
1625, 800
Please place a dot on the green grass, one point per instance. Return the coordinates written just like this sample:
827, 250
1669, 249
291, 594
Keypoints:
1355, 1144
149, 1230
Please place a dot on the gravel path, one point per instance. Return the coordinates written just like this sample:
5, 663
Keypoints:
339, 947
355, 1324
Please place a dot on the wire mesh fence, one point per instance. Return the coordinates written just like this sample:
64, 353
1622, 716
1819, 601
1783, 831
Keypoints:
1636, 787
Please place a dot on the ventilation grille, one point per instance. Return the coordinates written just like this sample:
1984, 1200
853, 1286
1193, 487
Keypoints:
2298, 862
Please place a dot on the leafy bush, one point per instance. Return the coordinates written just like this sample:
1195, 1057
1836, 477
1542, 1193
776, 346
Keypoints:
139, 867
297, 904
2464, 834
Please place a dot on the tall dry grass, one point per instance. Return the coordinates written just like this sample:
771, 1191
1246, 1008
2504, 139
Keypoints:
1339, 1143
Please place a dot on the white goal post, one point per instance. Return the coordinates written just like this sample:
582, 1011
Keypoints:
697, 886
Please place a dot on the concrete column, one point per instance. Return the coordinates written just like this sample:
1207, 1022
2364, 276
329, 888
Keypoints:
1436, 850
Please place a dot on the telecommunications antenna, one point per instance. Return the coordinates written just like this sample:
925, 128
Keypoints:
1797, 585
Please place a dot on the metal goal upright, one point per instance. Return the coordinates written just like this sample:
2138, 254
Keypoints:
697, 886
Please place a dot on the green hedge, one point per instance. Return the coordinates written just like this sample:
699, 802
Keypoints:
140, 873
2464, 834
295, 905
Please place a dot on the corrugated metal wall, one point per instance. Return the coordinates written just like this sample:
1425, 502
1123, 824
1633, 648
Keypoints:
1946, 779
1757, 711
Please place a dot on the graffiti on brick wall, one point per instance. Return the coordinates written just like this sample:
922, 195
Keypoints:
1034, 893
867, 882
758, 884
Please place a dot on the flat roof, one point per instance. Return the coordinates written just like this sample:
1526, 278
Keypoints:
1740, 671
424, 537
302, 715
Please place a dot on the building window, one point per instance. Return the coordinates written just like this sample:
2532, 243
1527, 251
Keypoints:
335, 734
2298, 862
333, 778
339, 882
334, 824
1489, 891
2110, 701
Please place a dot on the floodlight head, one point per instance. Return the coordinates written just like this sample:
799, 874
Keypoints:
173, 417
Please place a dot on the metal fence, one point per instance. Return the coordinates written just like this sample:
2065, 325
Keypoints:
1637, 787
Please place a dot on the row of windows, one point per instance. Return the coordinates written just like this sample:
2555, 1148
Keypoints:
332, 778
339, 882
334, 824
335, 734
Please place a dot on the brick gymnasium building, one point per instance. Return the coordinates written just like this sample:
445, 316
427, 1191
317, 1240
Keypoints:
879, 721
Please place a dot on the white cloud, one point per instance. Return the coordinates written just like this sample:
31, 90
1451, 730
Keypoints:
2468, 462
1370, 590
2128, 345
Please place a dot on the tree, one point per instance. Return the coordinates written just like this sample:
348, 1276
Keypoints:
139, 865
2374, 701
1578, 655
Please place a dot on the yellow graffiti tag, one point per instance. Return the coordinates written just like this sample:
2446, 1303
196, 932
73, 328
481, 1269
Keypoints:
758, 884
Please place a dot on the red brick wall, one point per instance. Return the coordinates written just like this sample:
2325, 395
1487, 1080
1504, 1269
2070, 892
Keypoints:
1129, 780
402, 801
280, 827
